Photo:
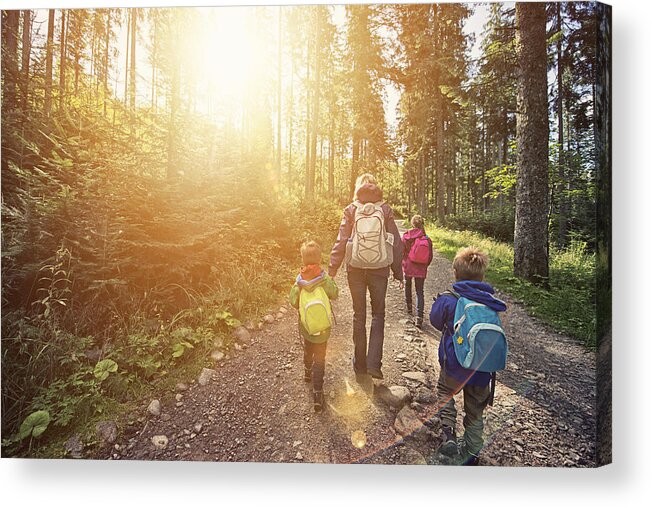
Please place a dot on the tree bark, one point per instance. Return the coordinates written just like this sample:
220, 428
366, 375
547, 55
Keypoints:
10, 22
562, 201
26, 53
532, 189
132, 70
279, 97
107, 42
315, 108
48, 63
62, 60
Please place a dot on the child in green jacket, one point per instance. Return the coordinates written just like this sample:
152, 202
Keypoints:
311, 295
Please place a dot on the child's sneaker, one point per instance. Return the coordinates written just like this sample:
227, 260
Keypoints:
449, 447
318, 401
466, 457
410, 312
307, 376
419, 322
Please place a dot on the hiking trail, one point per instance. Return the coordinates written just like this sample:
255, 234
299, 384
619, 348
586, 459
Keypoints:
257, 408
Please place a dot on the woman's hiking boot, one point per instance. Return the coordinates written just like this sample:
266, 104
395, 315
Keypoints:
318, 401
449, 447
307, 376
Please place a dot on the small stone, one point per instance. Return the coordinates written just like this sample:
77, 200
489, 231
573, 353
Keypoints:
282, 309
154, 408
250, 325
217, 355
159, 441
237, 346
409, 456
165, 417
268, 319
297, 443
74, 446
179, 397
106, 431
407, 422
424, 395
279, 315
241, 334
417, 376
205, 376
394, 396
181, 387
198, 427
299, 456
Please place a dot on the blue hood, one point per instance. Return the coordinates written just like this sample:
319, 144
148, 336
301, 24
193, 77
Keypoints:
481, 292
310, 285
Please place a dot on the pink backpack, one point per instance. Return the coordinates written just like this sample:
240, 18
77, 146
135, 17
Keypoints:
420, 250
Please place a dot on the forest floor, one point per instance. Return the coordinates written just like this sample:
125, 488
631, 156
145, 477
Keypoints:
257, 408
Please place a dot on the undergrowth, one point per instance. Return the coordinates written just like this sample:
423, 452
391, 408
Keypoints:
568, 305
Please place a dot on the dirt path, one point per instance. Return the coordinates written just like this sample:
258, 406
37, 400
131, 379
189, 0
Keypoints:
257, 407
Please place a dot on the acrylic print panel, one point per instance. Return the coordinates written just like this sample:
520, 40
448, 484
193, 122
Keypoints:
228, 233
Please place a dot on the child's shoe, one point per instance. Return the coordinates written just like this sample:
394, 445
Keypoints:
410, 311
318, 401
419, 322
449, 447
466, 457
307, 377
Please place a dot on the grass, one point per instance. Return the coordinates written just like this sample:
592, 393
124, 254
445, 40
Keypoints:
568, 306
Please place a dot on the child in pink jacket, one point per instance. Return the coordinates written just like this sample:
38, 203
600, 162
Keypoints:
415, 260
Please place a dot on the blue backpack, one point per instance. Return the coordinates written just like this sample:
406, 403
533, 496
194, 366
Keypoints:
479, 339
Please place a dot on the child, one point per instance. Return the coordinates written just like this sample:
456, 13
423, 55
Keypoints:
311, 295
415, 260
469, 267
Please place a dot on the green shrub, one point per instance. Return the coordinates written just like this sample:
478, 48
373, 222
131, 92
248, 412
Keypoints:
568, 305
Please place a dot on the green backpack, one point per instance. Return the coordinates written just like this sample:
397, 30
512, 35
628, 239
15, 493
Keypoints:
315, 311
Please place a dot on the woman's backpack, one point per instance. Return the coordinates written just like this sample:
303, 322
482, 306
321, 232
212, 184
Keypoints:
370, 246
420, 250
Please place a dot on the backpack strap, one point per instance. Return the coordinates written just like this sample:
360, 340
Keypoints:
452, 293
491, 397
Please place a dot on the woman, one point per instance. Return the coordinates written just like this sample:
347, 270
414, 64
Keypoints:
417, 256
369, 242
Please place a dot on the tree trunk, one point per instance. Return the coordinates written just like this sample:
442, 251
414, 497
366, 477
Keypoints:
315, 110
126, 56
175, 99
354, 163
107, 41
62, 60
48, 63
308, 123
279, 97
562, 206
26, 53
532, 189
290, 128
331, 157
132, 68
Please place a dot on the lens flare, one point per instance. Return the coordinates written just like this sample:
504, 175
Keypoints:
358, 438
349, 389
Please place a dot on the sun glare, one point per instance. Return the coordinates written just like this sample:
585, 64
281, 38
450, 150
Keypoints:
227, 51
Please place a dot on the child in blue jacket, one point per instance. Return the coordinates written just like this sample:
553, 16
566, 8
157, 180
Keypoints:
469, 266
